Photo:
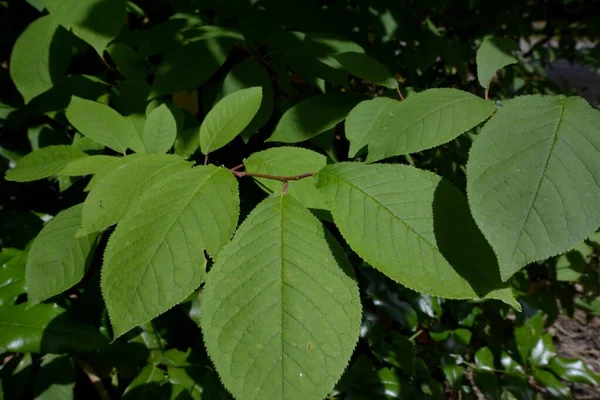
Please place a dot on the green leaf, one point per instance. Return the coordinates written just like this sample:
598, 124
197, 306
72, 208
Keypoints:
97, 22
367, 68
149, 384
484, 359
155, 258
191, 65
533, 178
40, 57
361, 122
57, 259
187, 142
45, 328
247, 74
289, 161
228, 118
414, 227
543, 351
111, 198
43, 163
314, 116
88, 165
321, 47
556, 389
422, 121
12, 275
160, 130
280, 309
573, 370
55, 379
493, 55
527, 335
100, 123
128, 62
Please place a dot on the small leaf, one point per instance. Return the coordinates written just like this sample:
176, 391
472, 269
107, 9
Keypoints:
527, 335
43, 163
493, 55
367, 68
88, 165
40, 57
289, 161
155, 257
229, 118
55, 379
280, 309
191, 65
57, 259
45, 328
160, 130
484, 359
247, 74
573, 370
533, 178
422, 121
118, 190
100, 123
149, 384
361, 122
97, 22
543, 351
314, 116
555, 387
414, 227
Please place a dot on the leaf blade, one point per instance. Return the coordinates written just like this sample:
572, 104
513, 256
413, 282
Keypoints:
44, 163
160, 130
367, 68
492, 55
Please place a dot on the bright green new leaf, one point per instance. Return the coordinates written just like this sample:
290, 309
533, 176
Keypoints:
100, 123
40, 57
160, 130
533, 178
97, 22
155, 258
247, 74
43, 163
88, 165
111, 198
189, 66
314, 116
289, 161
280, 309
45, 328
414, 227
493, 55
361, 122
367, 68
422, 121
228, 118
57, 259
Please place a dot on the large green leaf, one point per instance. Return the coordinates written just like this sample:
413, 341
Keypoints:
57, 259
160, 130
414, 227
280, 309
100, 123
189, 66
43, 163
229, 118
45, 328
314, 116
361, 122
97, 22
88, 165
40, 57
155, 258
367, 68
422, 121
112, 197
492, 55
533, 178
247, 74
289, 161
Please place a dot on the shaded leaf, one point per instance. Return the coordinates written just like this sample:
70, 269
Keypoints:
280, 312
43, 163
414, 227
367, 68
556, 389
361, 122
55, 380
492, 55
155, 257
533, 178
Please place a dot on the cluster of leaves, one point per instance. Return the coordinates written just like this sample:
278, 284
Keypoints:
237, 193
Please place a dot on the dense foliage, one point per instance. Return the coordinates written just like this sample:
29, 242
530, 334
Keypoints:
294, 199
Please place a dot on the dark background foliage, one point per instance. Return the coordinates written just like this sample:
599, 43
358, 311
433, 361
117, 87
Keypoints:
411, 345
